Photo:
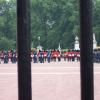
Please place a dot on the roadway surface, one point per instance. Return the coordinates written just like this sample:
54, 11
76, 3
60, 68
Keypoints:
53, 81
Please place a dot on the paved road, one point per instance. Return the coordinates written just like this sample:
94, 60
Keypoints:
54, 81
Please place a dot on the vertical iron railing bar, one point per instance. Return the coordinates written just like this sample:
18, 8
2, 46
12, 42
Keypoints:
86, 44
23, 48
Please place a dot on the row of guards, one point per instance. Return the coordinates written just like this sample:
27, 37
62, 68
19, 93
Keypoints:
8, 56
42, 56
53, 55
45, 55
72, 55
48, 56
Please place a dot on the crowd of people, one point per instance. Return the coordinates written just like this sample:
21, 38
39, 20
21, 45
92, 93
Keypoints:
42, 56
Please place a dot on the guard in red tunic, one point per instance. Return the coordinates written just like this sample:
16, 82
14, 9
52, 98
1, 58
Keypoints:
58, 56
65, 55
69, 55
2, 55
73, 55
45, 55
54, 55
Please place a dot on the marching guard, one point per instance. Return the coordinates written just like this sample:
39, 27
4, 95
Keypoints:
6, 58
35, 57
48, 56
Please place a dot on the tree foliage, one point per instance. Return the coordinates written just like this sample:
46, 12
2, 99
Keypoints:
54, 21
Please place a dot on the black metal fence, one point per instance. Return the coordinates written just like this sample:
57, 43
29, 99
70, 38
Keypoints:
86, 66
23, 45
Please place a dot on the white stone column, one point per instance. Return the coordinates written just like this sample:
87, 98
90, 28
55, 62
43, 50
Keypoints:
94, 41
76, 44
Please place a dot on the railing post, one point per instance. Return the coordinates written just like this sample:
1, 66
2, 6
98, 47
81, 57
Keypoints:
23, 47
86, 43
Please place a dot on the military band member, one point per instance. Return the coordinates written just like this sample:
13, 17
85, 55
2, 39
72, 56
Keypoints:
48, 56
40, 55
35, 57
6, 58
14, 59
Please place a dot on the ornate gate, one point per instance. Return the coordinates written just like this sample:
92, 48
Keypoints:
23, 45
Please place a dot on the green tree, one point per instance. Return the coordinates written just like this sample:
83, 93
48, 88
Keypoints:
96, 20
55, 21
6, 44
52, 20
8, 22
